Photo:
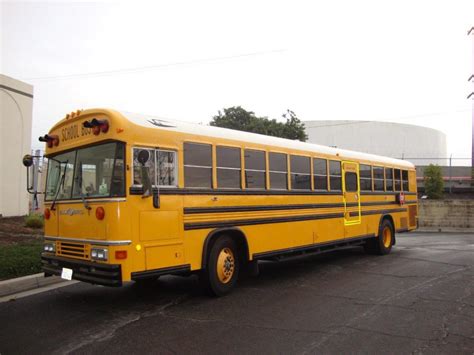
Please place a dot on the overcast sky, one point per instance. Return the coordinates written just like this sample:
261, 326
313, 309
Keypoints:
399, 61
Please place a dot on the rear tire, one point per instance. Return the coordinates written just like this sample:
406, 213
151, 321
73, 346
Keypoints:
382, 244
222, 268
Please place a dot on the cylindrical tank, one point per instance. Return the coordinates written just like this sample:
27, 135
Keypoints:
420, 145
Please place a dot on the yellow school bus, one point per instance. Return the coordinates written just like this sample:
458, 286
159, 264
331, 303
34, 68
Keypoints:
132, 197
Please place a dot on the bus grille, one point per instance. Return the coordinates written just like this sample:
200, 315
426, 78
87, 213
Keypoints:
73, 250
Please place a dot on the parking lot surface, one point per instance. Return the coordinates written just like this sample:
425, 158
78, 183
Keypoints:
418, 299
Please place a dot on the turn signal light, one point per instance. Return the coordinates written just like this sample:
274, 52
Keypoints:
120, 254
100, 213
97, 126
47, 213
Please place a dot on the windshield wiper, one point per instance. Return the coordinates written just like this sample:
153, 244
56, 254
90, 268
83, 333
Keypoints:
79, 183
61, 183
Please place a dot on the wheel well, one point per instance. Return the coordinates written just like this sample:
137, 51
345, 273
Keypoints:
236, 234
390, 219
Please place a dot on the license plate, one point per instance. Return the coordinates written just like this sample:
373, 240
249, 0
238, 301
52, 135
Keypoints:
66, 274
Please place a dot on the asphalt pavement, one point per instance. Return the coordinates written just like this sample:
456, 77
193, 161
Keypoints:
418, 299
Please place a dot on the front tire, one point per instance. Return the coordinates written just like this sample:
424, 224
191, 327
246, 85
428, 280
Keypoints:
222, 269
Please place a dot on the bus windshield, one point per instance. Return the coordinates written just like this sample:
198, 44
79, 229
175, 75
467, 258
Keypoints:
96, 171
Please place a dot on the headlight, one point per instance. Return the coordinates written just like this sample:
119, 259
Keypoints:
49, 247
99, 254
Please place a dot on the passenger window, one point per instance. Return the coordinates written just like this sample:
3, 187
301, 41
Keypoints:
278, 171
378, 178
197, 165
405, 180
255, 169
398, 186
228, 167
300, 172
335, 175
389, 179
137, 167
350, 181
365, 173
167, 168
320, 174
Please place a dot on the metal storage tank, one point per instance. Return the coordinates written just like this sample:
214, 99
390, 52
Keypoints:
420, 145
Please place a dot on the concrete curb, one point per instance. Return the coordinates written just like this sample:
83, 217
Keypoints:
26, 283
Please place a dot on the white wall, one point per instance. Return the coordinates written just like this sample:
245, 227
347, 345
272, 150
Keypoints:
16, 104
393, 140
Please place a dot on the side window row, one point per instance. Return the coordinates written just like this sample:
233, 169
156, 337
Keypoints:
198, 169
198, 164
383, 179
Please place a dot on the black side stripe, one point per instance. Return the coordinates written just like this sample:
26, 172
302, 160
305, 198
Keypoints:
223, 209
251, 222
315, 248
134, 190
367, 213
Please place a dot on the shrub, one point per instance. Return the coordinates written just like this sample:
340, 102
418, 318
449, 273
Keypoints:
34, 221
433, 179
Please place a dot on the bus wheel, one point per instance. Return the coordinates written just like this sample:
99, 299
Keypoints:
222, 269
382, 245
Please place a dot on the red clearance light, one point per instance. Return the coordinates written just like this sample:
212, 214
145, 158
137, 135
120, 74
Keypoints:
100, 213
96, 130
47, 213
104, 126
97, 126
120, 254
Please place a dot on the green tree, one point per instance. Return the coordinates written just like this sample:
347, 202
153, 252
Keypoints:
433, 180
240, 119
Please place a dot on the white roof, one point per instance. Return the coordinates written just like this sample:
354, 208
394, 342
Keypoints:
225, 133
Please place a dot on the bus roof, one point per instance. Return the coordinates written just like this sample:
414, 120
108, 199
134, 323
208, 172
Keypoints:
225, 133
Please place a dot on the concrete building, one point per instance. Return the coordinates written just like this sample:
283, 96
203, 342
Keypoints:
16, 105
420, 145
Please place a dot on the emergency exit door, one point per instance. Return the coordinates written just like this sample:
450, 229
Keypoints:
351, 193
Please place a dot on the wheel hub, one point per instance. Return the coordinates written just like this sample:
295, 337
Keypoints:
225, 265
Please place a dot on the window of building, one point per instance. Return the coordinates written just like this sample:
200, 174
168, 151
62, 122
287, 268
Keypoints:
228, 167
389, 179
378, 178
300, 172
335, 176
351, 181
405, 180
278, 171
365, 173
197, 165
320, 174
398, 186
255, 169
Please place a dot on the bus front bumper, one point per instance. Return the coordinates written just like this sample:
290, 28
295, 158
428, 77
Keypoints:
94, 273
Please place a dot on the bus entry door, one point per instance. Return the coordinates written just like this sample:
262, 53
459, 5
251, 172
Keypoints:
351, 193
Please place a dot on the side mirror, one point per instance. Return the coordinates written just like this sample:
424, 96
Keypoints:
143, 156
27, 160
31, 174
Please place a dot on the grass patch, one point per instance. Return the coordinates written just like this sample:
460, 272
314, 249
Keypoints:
20, 259
34, 221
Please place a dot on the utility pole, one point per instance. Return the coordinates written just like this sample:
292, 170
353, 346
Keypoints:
471, 96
